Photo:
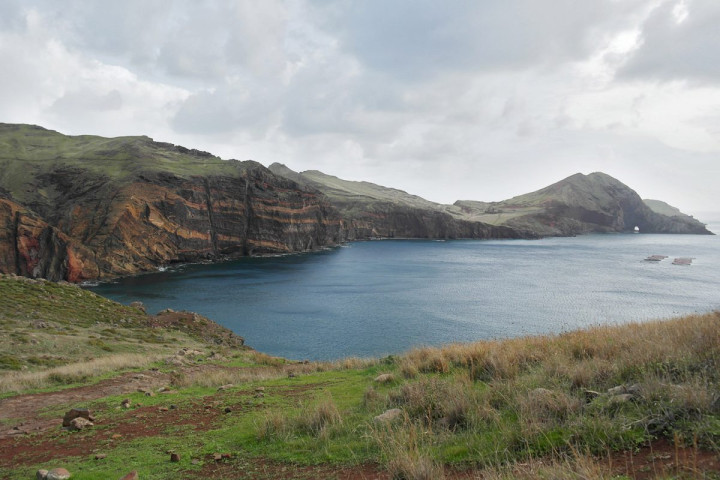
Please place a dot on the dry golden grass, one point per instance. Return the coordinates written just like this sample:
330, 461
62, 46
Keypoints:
406, 452
585, 357
75, 372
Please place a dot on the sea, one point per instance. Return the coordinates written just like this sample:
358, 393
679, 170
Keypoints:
376, 298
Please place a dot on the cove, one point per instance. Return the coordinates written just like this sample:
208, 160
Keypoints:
382, 297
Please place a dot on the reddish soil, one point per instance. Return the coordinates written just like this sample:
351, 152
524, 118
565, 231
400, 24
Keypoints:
663, 459
21, 446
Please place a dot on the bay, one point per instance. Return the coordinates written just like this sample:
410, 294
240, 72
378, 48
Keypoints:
382, 297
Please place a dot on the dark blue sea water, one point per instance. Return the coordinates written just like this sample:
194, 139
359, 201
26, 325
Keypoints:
380, 297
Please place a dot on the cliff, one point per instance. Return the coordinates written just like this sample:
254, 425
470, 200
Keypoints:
86, 207
370, 210
581, 204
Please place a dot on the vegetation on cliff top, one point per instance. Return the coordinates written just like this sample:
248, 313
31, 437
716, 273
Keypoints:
553, 407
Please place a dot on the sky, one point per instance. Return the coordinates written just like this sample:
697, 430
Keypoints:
459, 99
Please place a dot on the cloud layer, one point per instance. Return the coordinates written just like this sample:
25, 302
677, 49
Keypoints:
458, 99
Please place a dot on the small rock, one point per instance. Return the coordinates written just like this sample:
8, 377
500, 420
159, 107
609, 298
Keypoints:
41, 475
217, 457
162, 409
173, 406
174, 457
125, 403
169, 392
100, 456
385, 378
590, 395
77, 413
291, 375
79, 423
226, 455
139, 376
623, 389
57, 474
225, 387
131, 476
620, 399
228, 410
195, 461
259, 395
260, 389
139, 305
388, 416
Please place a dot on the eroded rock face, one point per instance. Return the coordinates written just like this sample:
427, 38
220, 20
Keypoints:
374, 211
31, 247
122, 206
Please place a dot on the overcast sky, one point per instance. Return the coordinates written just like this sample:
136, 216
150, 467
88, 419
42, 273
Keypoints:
444, 99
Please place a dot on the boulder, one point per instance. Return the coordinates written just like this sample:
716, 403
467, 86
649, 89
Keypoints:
57, 474
77, 413
79, 423
388, 416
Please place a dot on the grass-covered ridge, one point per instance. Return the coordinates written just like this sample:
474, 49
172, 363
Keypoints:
557, 406
28, 152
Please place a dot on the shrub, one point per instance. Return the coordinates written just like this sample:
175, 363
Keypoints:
316, 421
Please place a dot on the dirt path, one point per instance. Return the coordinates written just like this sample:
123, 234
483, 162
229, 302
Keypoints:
25, 409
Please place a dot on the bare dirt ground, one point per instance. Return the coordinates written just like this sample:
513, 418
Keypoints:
21, 418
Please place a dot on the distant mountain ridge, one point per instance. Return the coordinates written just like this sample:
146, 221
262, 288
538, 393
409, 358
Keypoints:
579, 204
88, 207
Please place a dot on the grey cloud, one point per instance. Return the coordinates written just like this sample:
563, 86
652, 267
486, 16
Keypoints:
418, 38
228, 108
675, 51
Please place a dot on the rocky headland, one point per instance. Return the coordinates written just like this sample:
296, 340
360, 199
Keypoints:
82, 208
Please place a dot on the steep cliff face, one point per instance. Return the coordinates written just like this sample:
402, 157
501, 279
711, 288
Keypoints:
370, 210
81, 208
580, 204
32, 248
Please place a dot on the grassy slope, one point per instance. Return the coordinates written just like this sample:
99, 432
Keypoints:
27, 151
59, 328
480, 405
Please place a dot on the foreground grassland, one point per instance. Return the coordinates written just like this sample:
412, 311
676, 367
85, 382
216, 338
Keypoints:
538, 407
